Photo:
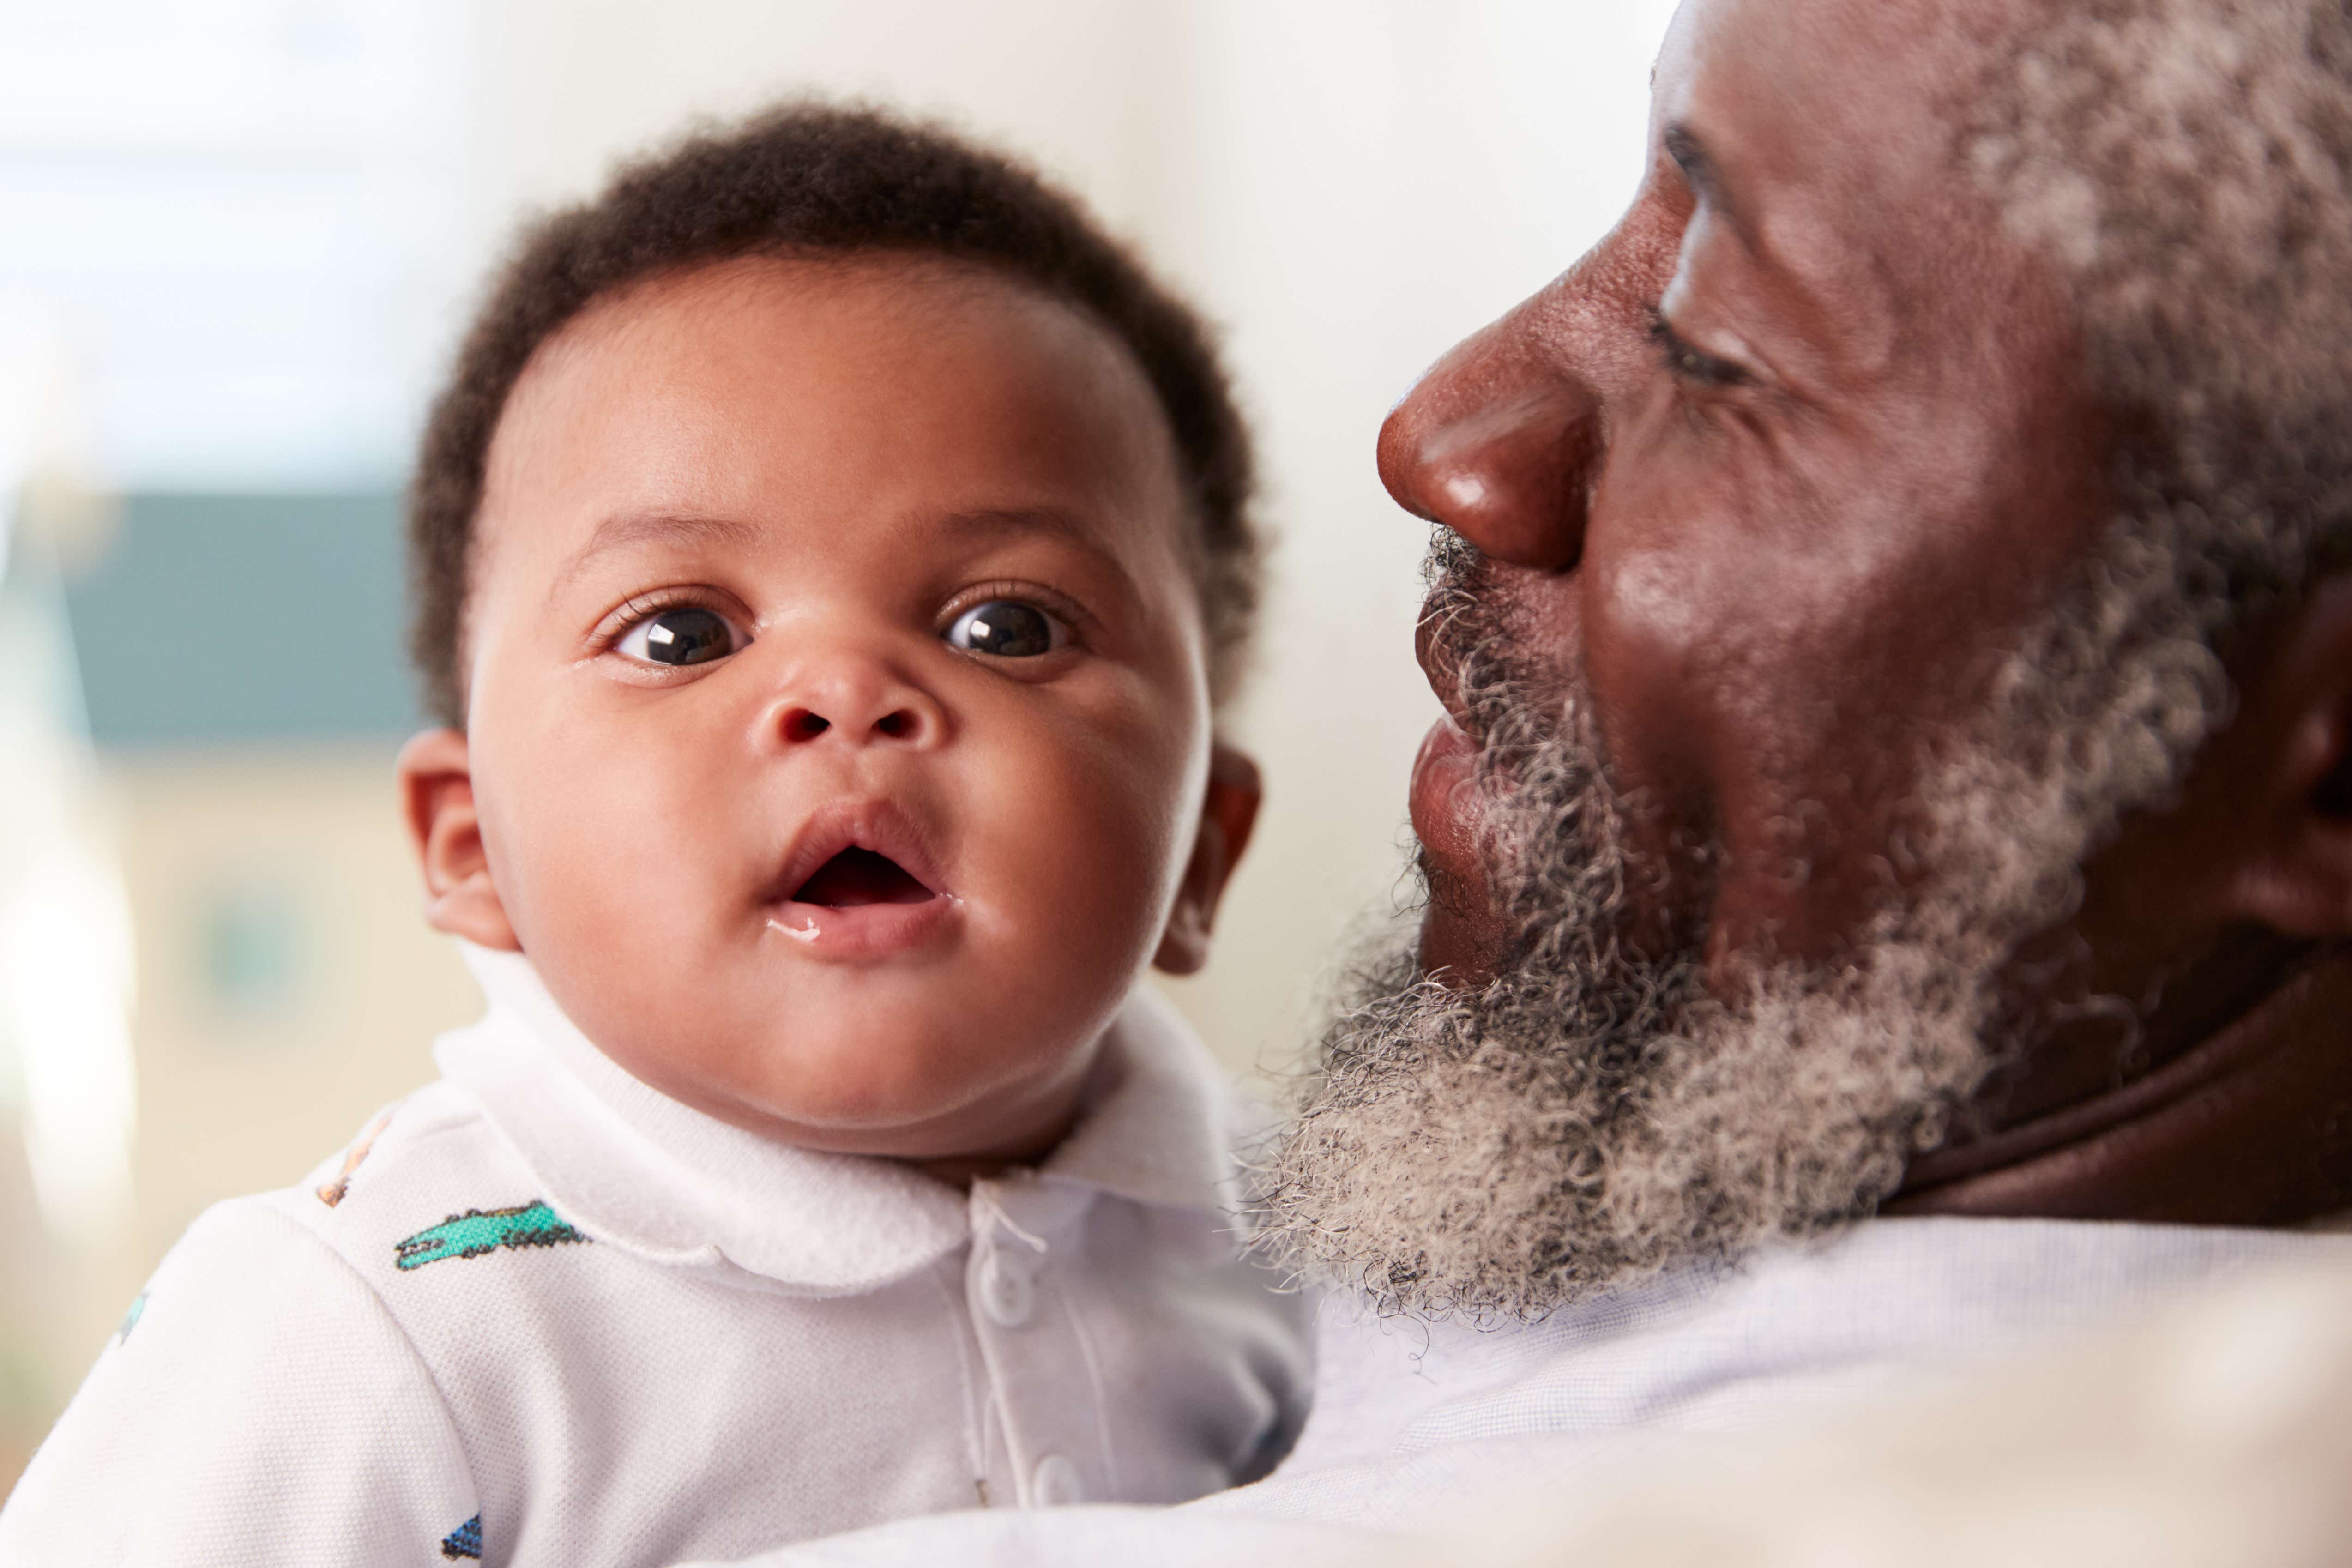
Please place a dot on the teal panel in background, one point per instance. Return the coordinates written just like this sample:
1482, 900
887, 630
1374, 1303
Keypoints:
224, 619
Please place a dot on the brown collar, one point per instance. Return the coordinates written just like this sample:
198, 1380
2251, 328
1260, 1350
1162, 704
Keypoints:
2252, 1127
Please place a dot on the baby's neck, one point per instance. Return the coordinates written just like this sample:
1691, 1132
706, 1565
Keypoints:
960, 1171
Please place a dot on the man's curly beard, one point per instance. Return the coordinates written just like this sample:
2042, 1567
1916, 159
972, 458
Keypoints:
1594, 1114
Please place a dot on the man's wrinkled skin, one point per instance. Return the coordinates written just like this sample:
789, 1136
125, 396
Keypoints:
1780, 473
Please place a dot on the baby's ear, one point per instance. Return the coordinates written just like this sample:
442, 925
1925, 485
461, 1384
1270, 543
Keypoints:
436, 786
1227, 815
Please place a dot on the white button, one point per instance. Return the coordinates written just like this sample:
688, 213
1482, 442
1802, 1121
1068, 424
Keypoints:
1007, 1294
1056, 1484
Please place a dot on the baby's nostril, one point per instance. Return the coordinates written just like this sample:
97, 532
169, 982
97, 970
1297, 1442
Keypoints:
896, 726
800, 724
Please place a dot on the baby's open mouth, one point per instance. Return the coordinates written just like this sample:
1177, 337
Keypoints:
859, 884
857, 877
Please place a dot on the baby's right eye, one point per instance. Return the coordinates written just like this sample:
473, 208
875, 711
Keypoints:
683, 634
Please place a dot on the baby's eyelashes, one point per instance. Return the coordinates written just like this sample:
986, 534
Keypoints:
685, 632
680, 635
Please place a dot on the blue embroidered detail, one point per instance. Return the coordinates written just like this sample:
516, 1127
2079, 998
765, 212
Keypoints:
466, 1540
131, 1317
479, 1231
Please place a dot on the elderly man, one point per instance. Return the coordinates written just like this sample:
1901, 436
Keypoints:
1900, 764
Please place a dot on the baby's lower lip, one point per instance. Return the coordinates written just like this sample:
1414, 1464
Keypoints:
854, 932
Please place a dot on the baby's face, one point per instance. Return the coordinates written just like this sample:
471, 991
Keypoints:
838, 728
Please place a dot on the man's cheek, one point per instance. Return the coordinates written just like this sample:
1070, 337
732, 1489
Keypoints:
1655, 626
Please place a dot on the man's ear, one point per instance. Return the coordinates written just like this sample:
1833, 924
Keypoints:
437, 787
1227, 815
2294, 869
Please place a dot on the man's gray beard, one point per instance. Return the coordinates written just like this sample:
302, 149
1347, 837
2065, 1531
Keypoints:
1595, 1114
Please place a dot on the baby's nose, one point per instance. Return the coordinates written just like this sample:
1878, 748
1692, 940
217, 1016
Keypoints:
859, 705
905, 722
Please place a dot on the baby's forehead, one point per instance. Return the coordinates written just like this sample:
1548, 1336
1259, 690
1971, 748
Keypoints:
858, 386
893, 291
879, 308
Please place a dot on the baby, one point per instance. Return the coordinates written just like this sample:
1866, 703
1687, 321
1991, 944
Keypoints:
831, 550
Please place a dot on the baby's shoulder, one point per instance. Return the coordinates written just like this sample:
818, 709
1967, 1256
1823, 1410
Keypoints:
428, 1180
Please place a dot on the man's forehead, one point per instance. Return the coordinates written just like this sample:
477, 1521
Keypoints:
1826, 136
1845, 97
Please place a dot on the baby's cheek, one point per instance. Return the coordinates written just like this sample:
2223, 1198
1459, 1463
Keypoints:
1097, 852
615, 899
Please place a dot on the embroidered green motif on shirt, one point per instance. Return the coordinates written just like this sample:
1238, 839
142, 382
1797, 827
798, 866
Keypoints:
479, 1231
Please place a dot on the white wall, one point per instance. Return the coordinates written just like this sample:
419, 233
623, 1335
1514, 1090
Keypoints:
1353, 185
564, 85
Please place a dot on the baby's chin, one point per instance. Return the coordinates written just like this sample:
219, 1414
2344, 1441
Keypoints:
970, 1046
930, 1093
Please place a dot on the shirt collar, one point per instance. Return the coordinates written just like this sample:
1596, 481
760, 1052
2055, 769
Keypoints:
629, 1166
1159, 1125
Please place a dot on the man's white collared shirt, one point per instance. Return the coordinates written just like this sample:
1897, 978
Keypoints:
542, 1314
1418, 1427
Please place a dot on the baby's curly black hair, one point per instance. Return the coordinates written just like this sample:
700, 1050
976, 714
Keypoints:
814, 177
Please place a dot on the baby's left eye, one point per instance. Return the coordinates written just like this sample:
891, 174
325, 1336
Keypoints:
680, 635
1007, 629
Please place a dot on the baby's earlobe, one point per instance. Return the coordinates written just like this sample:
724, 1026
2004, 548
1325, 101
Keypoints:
436, 786
1228, 815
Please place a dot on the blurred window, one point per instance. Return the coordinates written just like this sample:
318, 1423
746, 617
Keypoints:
253, 950
236, 619
249, 217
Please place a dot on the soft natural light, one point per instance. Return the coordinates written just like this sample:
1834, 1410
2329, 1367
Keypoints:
65, 975
65, 970
250, 214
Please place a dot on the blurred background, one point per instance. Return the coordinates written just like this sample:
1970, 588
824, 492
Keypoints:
237, 239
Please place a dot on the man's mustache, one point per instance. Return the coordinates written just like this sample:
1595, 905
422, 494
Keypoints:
1458, 636
1483, 668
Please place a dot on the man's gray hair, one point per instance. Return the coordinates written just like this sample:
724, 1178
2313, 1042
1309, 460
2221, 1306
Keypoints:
2189, 164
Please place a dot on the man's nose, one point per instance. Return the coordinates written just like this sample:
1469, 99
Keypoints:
1499, 446
846, 698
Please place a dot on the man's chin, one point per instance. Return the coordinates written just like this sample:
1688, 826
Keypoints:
1457, 948
1502, 1150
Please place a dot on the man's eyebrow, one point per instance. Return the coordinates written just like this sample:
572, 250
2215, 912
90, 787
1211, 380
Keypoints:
624, 530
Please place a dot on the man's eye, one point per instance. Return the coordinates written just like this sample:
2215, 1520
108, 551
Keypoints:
1007, 629
1692, 365
685, 634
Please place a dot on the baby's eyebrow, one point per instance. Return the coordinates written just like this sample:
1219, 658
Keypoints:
997, 520
987, 523
632, 528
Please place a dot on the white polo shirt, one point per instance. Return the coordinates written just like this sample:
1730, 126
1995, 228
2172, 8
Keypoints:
540, 1314
1420, 1427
